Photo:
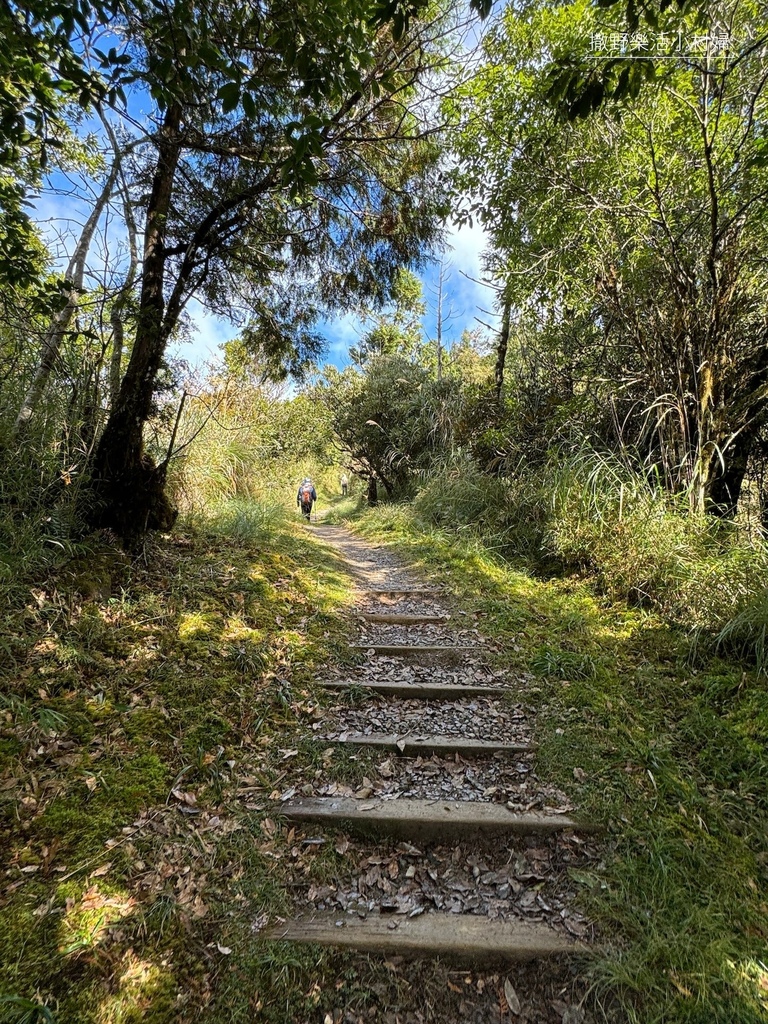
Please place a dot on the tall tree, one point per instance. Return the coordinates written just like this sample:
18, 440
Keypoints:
396, 329
644, 228
274, 163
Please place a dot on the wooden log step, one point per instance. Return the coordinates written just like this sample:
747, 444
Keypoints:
420, 691
403, 591
412, 650
402, 620
462, 939
424, 820
413, 746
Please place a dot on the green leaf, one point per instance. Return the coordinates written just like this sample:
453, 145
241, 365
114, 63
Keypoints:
229, 94
249, 106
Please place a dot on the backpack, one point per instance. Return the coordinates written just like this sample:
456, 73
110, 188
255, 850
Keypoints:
306, 494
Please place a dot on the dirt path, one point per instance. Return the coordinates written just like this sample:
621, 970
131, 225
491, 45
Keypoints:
452, 850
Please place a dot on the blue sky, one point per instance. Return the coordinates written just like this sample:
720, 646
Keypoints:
464, 300
62, 209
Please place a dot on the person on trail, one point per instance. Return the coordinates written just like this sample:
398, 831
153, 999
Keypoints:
344, 484
306, 497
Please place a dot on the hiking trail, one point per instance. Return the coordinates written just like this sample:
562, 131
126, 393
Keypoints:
456, 849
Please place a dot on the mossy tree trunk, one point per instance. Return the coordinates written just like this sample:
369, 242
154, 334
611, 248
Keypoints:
128, 486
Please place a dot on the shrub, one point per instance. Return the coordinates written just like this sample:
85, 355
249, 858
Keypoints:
646, 547
506, 513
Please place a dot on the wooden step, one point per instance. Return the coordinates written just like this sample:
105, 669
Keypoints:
412, 650
463, 939
406, 818
420, 691
402, 591
402, 620
413, 745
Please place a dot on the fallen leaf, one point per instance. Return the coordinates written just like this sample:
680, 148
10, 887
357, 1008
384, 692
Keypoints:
185, 798
223, 949
511, 996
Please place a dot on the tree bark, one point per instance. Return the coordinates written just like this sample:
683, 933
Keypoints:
373, 491
501, 348
726, 481
119, 304
128, 487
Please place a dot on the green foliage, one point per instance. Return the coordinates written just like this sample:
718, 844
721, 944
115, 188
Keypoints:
18, 1010
671, 759
746, 633
393, 420
602, 234
396, 330
245, 460
646, 547
506, 513
43, 70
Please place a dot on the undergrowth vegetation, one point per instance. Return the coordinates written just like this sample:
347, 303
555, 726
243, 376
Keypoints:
639, 544
650, 730
256, 446
149, 710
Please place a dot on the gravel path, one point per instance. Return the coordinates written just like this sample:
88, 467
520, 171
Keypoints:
528, 878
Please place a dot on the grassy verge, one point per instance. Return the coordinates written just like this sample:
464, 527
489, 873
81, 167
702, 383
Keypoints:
667, 750
141, 736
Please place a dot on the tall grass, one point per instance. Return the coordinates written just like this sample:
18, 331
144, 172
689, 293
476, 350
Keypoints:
507, 514
646, 547
256, 448
591, 513
241, 520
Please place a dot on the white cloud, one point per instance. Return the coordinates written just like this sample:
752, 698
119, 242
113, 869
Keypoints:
341, 334
208, 333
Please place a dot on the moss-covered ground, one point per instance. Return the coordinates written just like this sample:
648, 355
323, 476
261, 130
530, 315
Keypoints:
664, 745
141, 736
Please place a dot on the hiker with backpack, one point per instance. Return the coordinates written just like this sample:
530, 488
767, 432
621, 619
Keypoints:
306, 497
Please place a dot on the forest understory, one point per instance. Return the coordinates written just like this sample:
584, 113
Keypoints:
154, 711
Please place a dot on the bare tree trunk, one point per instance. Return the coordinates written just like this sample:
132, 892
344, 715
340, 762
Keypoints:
501, 348
119, 304
440, 325
57, 329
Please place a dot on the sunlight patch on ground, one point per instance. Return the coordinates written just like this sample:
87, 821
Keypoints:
751, 978
137, 984
87, 920
196, 624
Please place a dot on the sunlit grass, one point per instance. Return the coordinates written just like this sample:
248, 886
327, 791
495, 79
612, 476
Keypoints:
667, 762
159, 701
